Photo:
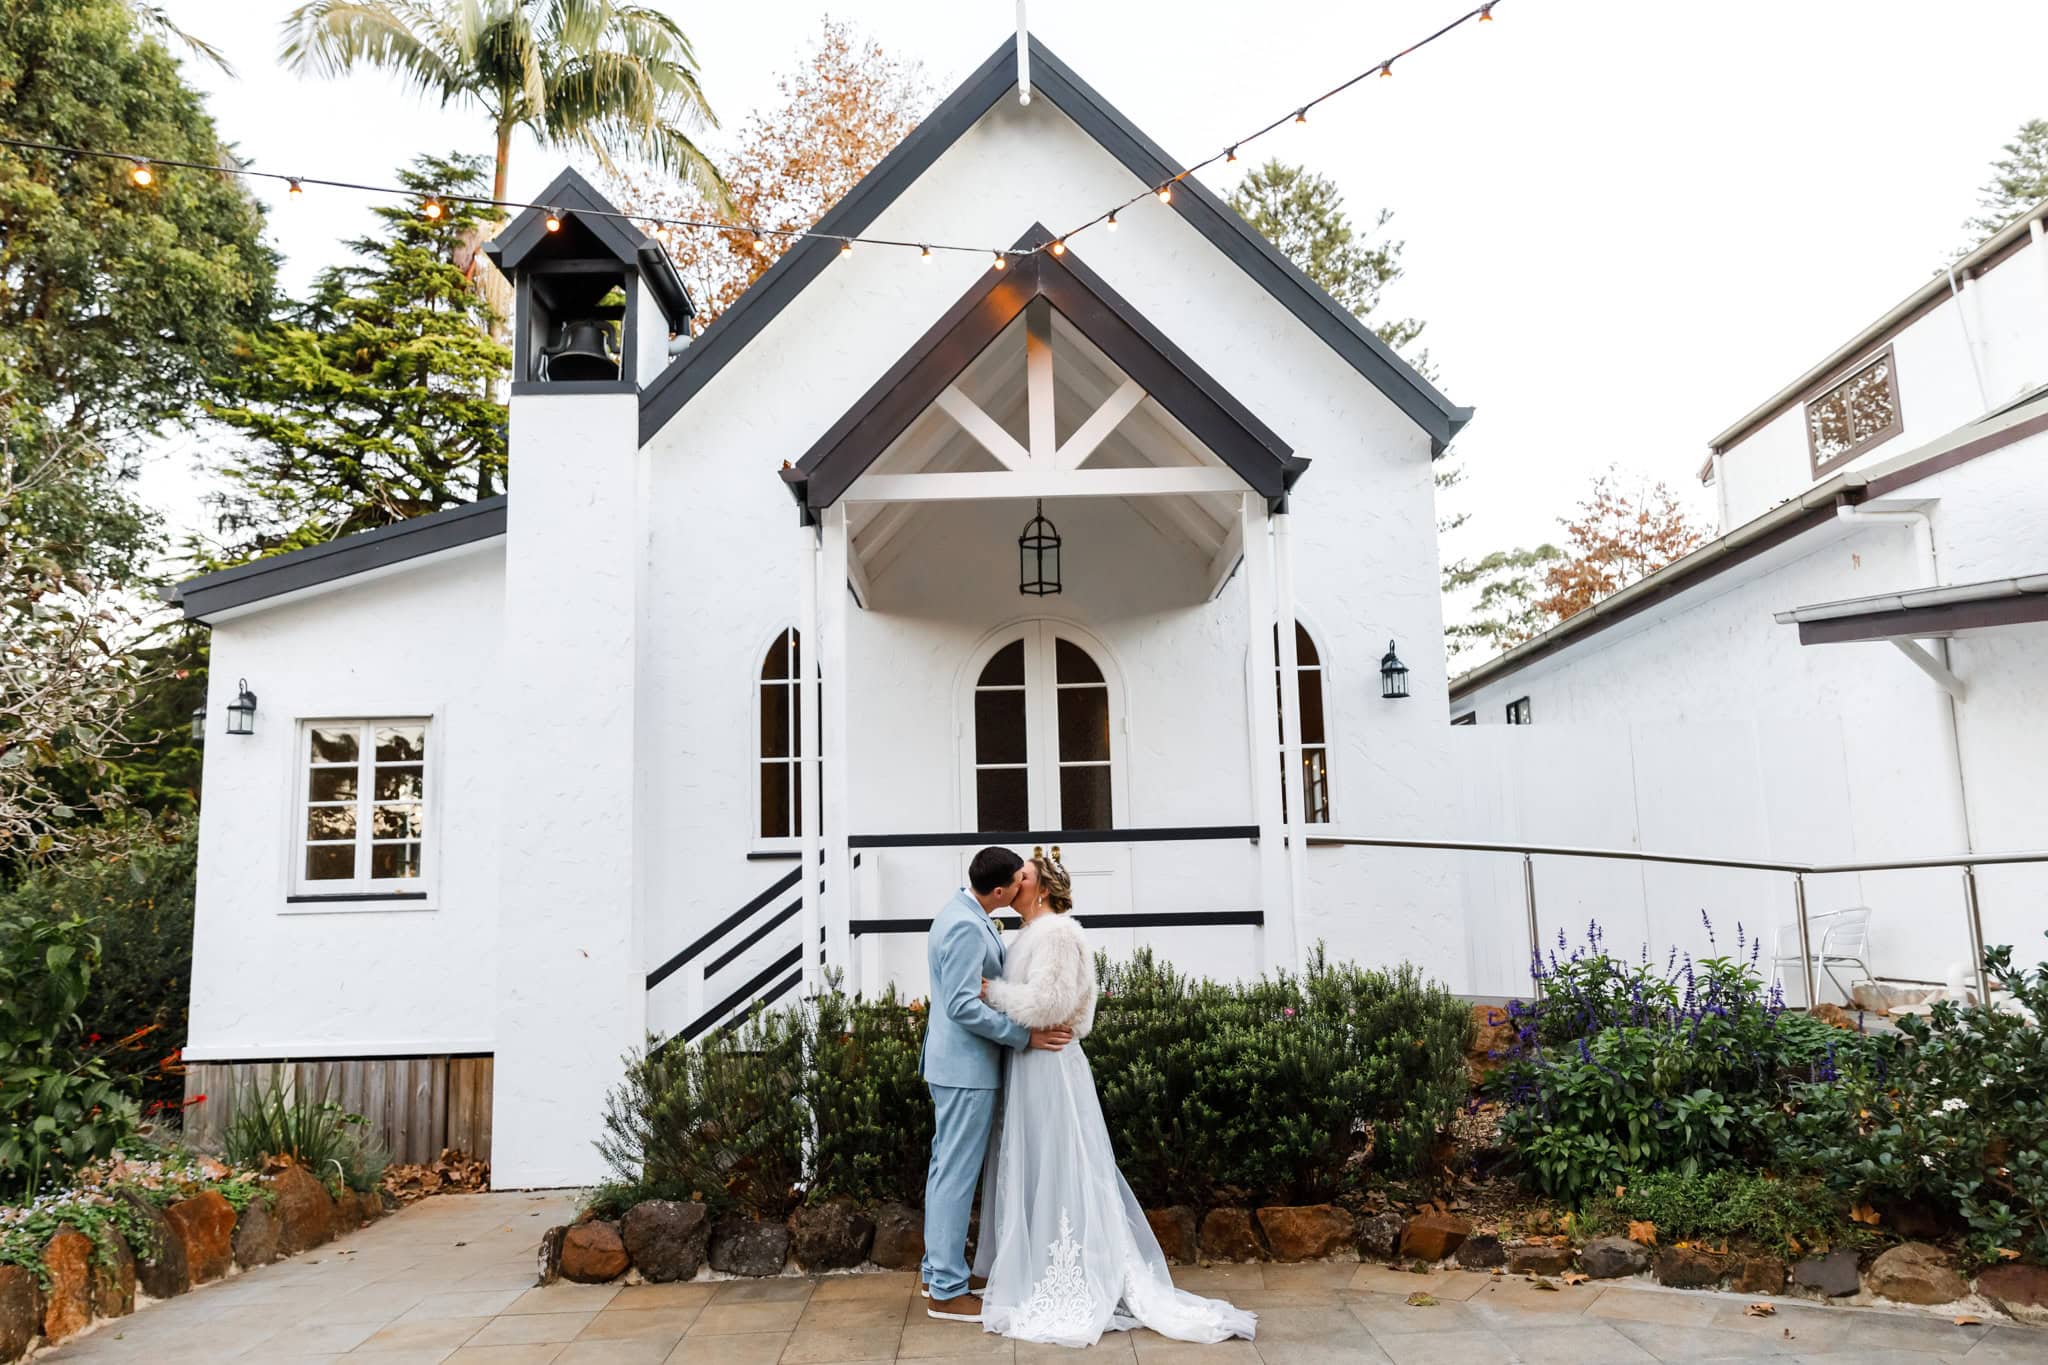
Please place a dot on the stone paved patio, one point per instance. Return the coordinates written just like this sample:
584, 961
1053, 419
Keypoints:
450, 1280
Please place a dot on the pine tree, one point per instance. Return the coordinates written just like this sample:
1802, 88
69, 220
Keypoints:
2019, 180
374, 400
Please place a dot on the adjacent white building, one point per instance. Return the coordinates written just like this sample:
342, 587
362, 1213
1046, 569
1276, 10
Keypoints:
1854, 669
537, 778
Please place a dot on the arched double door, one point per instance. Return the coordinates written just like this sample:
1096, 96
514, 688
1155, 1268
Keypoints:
1043, 733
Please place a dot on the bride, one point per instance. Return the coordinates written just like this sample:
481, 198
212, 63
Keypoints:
1064, 1246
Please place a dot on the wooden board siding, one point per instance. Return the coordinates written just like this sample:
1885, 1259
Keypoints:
415, 1105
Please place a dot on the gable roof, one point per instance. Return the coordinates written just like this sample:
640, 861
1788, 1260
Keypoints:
211, 594
1166, 373
580, 203
1054, 82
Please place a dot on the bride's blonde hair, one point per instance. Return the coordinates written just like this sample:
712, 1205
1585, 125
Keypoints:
1052, 875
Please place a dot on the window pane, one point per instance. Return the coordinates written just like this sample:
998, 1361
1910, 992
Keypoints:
776, 665
396, 822
1084, 724
1304, 648
1002, 800
999, 729
402, 783
1311, 692
401, 743
775, 719
1006, 669
1315, 785
334, 746
1084, 798
394, 860
775, 802
331, 822
331, 784
1869, 398
1072, 664
330, 862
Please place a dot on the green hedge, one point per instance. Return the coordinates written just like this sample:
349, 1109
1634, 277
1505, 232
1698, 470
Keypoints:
1283, 1089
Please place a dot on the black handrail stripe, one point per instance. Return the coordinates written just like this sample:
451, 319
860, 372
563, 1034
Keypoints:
768, 925
1155, 835
1153, 920
722, 928
780, 989
744, 995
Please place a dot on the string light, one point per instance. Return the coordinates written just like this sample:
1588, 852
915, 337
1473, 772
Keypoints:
924, 253
143, 173
1111, 224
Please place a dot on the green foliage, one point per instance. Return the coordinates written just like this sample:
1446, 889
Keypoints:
1509, 584
316, 1133
721, 1120
59, 1106
117, 303
375, 400
1955, 1118
134, 890
866, 1088
24, 1232
1789, 1216
2019, 180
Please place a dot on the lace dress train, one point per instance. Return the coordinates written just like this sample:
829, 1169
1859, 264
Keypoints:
1066, 1249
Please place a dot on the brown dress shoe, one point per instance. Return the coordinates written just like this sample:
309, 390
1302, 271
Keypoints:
975, 1284
959, 1308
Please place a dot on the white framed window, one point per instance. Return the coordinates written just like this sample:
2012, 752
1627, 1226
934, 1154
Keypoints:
363, 829
1520, 712
778, 706
1042, 734
1468, 718
1855, 413
1315, 730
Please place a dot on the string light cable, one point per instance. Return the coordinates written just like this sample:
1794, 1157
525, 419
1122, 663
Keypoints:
143, 172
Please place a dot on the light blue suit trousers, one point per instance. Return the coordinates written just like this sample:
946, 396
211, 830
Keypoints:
965, 1043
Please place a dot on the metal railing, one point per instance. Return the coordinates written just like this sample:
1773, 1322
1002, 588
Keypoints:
1968, 862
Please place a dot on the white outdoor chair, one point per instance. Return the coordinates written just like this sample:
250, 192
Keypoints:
1837, 938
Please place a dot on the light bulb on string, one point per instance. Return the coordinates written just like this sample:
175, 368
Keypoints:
1386, 70
1111, 224
846, 246
295, 190
1059, 246
554, 220
142, 175
1231, 153
1301, 114
431, 210
1166, 194
760, 243
924, 252
1001, 261
1486, 14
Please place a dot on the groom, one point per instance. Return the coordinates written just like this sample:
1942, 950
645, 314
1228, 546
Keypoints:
963, 1068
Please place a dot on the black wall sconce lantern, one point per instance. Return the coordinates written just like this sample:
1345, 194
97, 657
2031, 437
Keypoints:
199, 723
1393, 675
242, 710
1038, 556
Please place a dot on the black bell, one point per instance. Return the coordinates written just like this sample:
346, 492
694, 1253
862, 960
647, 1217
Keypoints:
583, 349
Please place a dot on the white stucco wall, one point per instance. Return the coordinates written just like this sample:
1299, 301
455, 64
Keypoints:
2006, 311
272, 980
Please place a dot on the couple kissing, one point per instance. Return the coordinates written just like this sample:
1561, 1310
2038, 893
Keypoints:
1064, 1252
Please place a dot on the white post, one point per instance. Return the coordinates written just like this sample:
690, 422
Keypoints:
835, 605
1294, 787
1262, 717
868, 877
809, 805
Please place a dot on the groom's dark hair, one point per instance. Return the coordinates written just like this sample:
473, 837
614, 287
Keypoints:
992, 870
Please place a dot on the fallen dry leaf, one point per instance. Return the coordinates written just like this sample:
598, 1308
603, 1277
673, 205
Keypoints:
1575, 1277
1863, 1213
1543, 1284
1792, 1244
1421, 1300
1646, 1233
1621, 1191
1760, 1310
1498, 1271
2007, 1254
1965, 1320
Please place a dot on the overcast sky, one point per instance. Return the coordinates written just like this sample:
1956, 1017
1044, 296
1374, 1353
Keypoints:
1628, 221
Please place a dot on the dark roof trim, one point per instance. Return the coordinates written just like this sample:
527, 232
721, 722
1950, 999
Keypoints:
1881, 484
1145, 159
1681, 575
1919, 623
570, 192
1166, 373
211, 594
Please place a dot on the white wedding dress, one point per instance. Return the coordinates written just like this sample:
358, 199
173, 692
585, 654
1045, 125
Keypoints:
1066, 1249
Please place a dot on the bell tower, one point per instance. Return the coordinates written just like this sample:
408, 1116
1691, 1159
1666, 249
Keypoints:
595, 299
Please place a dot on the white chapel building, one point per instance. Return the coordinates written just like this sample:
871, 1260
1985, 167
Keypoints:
1855, 669
908, 553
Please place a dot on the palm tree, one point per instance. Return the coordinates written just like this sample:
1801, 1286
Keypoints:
155, 21
594, 74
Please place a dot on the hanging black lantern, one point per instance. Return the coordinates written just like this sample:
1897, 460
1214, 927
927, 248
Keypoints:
1038, 556
242, 710
199, 723
1393, 675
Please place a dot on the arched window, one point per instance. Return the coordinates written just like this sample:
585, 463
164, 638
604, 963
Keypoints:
1315, 735
1041, 739
779, 702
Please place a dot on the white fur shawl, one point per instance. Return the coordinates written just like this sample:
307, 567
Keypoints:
1048, 977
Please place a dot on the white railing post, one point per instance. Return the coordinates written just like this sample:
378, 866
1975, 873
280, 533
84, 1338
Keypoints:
1535, 929
1976, 922
1805, 938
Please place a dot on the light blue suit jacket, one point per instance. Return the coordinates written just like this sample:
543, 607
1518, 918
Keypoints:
965, 1037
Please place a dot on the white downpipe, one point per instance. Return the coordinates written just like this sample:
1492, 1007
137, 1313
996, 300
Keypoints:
1922, 524
811, 806
1720, 494
1292, 775
1957, 294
